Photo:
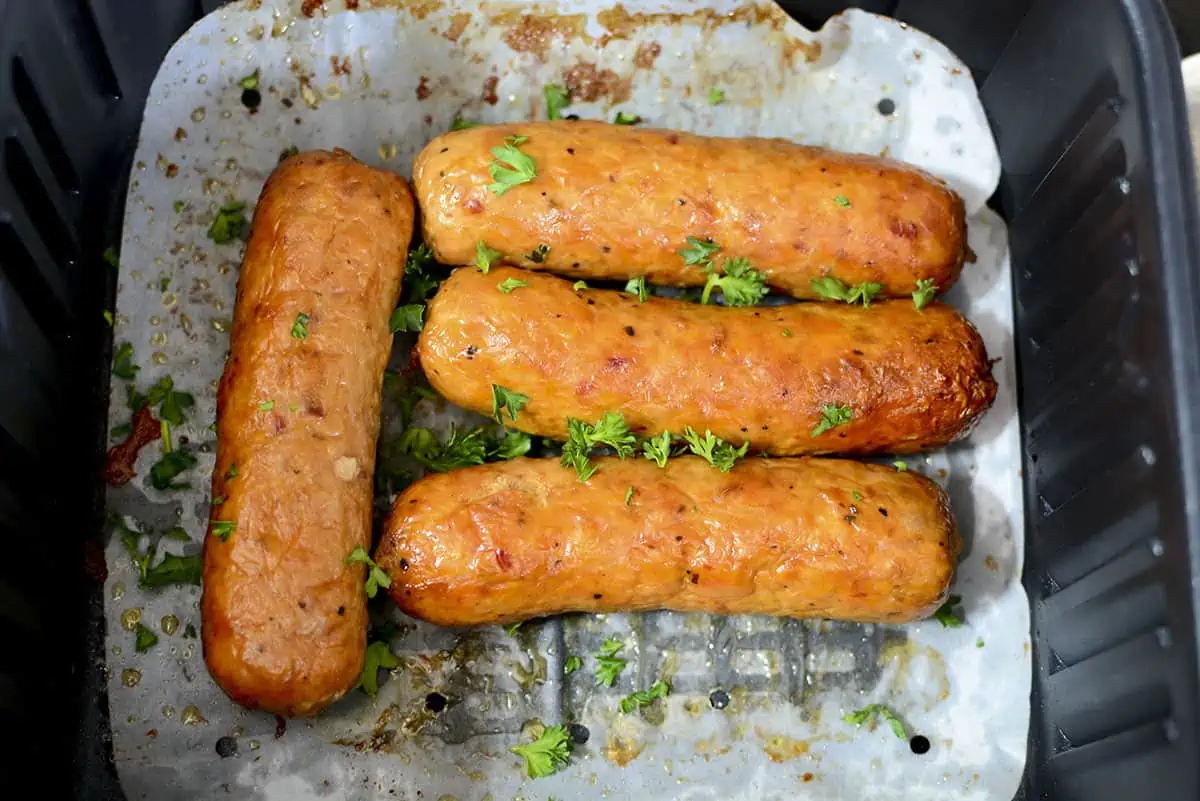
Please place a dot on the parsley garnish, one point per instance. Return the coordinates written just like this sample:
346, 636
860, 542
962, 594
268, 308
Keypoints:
630, 703
900, 466
658, 448
485, 256
461, 449
459, 124
407, 318
509, 284
716, 451
842, 201
547, 754
626, 119
950, 614
144, 639
741, 285
629, 496
699, 251
503, 398
378, 656
832, 415
572, 664
557, 98
512, 628
869, 712
831, 288
123, 366
716, 96
222, 529
419, 283
637, 286
609, 665
511, 167
108, 318
856, 495
171, 404
610, 430
166, 469
229, 224
539, 254
300, 327
578, 285
376, 576
924, 293
266, 406
250, 81
111, 257
177, 533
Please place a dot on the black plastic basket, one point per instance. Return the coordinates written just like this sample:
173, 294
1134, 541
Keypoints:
1085, 100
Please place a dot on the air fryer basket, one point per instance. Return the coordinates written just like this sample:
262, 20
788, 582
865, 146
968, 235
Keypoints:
1086, 104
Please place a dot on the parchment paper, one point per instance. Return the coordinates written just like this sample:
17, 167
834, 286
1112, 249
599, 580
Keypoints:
381, 81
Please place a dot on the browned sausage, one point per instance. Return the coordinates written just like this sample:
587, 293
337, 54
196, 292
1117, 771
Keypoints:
790, 537
911, 379
614, 201
284, 618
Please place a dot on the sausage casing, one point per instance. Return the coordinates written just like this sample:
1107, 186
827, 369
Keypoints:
616, 201
823, 538
912, 379
284, 618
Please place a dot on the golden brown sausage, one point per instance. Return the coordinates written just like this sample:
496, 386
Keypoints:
911, 380
284, 618
790, 537
614, 201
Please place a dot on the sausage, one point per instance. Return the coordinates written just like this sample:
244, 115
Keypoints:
284, 618
912, 380
614, 201
791, 537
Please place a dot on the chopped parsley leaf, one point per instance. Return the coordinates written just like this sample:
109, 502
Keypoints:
144, 639
626, 119
108, 317
172, 570
166, 469
250, 81
511, 167
419, 282
509, 284
629, 496
266, 406
222, 529
504, 398
578, 285
461, 449
900, 466
378, 657
637, 286
716, 451
609, 665
740, 285
842, 201
611, 430
869, 712
557, 98
538, 255
658, 448
699, 251
300, 327
833, 415
459, 124
376, 576
716, 96
631, 703
229, 224
547, 754
123, 366
924, 293
485, 257
950, 614
410, 317
856, 495
572, 664
830, 288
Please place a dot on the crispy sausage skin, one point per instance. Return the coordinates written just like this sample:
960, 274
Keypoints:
616, 201
825, 538
913, 380
284, 619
